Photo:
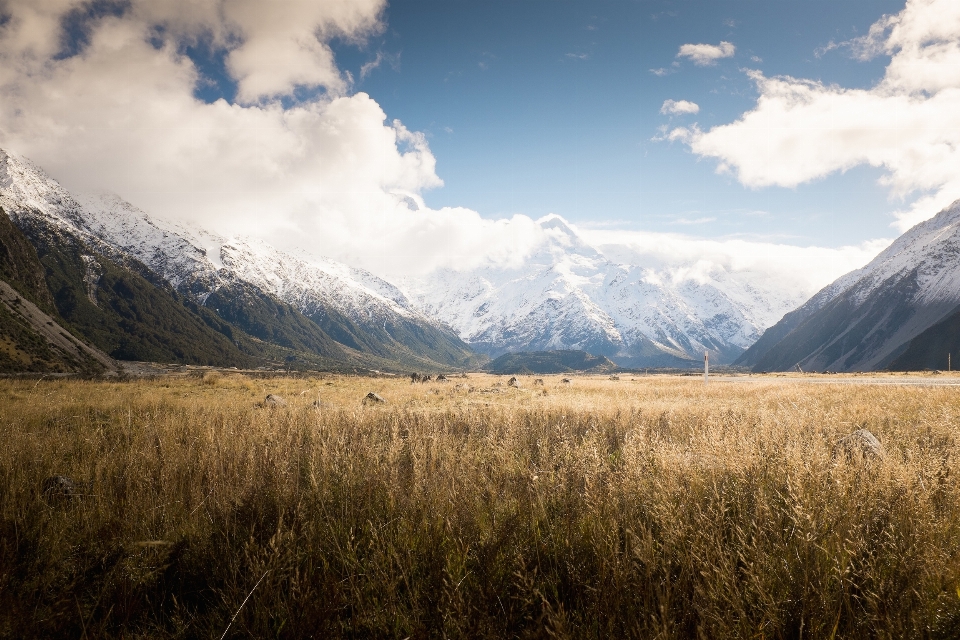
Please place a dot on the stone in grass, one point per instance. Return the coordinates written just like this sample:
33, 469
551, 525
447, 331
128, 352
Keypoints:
373, 398
513, 382
274, 401
58, 489
861, 443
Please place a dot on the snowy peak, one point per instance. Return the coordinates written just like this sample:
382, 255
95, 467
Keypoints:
568, 295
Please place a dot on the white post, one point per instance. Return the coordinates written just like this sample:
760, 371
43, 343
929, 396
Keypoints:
706, 366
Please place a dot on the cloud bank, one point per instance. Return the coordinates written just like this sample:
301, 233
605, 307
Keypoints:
908, 124
802, 269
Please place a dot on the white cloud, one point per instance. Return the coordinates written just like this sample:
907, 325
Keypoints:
805, 269
706, 54
908, 124
330, 175
679, 107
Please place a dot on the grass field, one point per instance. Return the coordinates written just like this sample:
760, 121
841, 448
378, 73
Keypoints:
656, 507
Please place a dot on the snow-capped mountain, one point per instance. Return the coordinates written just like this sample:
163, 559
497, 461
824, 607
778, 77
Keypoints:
867, 318
358, 309
568, 295
571, 295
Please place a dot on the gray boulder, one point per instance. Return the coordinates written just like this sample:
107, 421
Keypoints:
274, 401
859, 444
373, 398
58, 489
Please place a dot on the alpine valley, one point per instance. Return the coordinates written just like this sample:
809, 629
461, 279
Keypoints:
132, 287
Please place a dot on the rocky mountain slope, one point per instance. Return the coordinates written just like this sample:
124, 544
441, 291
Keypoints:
868, 318
571, 295
567, 295
309, 306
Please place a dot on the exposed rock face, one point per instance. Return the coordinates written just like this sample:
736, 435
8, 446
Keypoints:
860, 444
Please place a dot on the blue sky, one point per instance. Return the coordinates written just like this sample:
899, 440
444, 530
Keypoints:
418, 134
540, 106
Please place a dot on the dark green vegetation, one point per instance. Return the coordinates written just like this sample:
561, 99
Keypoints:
121, 312
543, 362
659, 509
20, 266
23, 348
119, 306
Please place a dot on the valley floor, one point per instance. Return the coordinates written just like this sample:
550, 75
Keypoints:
652, 506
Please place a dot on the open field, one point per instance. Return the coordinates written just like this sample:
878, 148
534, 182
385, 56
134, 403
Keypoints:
654, 507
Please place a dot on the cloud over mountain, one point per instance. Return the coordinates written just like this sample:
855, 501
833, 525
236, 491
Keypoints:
103, 94
907, 124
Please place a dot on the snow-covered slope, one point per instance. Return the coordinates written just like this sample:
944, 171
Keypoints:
567, 295
570, 295
867, 317
364, 311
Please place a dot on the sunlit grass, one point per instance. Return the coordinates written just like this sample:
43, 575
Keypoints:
647, 508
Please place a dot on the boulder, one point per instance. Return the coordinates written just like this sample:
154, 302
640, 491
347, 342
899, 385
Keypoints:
615, 378
274, 401
513, 382
372, 398
441, 378
58, 489
566, 381
538, 382
859, 444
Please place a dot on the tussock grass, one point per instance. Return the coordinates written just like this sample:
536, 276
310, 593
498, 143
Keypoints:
652, 508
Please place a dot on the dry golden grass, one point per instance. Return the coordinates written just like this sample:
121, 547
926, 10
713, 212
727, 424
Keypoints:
649, 508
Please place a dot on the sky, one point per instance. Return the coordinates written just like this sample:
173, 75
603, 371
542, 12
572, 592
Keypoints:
417, 134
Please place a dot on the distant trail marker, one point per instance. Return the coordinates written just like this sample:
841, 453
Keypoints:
706, 366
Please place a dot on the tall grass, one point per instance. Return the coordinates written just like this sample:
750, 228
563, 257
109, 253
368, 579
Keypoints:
653, 508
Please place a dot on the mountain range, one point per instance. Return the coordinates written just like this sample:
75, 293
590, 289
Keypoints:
899, 312
88, 280
141, 288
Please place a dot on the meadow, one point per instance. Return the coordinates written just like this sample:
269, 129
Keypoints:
654, 507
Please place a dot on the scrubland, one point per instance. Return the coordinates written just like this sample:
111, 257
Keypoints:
649, 508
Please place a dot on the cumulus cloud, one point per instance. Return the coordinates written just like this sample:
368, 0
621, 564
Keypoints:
679, 107
331, 175
908, 124
706, 54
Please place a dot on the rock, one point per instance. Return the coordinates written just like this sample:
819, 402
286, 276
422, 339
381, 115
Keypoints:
861, 443
615, 378
513, 382
274, 401
566, 381
441, 378
59, 489
538, 382
372, 398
